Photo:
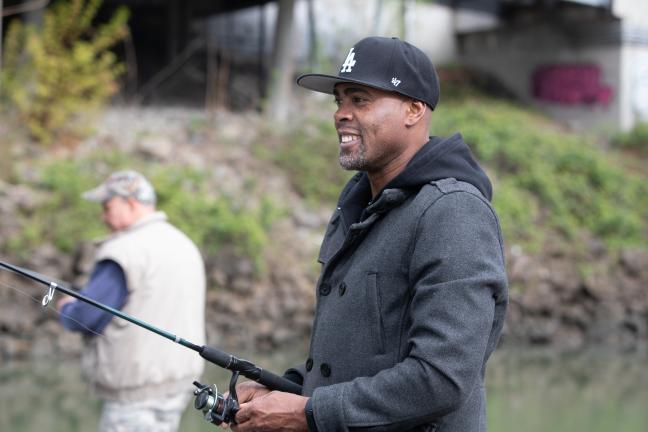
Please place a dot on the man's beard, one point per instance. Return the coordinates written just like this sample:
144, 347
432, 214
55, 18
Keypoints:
354, 161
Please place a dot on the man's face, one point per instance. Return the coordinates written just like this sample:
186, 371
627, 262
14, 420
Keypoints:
369, 123
118, 213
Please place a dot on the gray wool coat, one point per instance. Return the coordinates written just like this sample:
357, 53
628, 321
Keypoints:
410, 305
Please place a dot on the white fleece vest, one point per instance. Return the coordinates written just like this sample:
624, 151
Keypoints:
166, 288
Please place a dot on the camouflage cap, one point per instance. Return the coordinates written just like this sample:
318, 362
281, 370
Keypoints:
126, 184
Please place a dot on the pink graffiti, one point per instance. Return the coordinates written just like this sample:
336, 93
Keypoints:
571, 84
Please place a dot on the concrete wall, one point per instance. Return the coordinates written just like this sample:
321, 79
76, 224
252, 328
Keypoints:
512, 54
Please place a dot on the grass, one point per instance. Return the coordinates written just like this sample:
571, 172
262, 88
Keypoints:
212, 220
550, 184
547, 179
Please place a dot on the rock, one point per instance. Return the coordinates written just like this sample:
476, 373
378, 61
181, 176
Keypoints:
82, 263
306, 218
51, 262
14, 347
634, 261
69, 344
156, 147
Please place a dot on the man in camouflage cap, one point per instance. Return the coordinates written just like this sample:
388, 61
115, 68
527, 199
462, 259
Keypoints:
147, 268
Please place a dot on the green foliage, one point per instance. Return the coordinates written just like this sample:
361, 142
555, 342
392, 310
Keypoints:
548, 178
549, 184
636, 139
518, 210
210, 219
213, 220
56, 75
309, 156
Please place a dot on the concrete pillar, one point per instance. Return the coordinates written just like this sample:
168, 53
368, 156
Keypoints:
283, 64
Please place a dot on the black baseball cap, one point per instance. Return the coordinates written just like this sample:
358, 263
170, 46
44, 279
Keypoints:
385, 63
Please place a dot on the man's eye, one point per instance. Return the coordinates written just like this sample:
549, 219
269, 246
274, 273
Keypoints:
338, 102
358, 99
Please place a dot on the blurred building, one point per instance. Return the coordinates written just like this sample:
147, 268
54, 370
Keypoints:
584, 62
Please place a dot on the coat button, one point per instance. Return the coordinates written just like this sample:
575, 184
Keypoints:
326, 370
309, 364
325, 289
342, 288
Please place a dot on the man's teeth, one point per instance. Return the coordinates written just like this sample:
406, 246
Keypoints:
348, 138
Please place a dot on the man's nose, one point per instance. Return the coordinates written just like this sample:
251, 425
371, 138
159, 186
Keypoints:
342, 113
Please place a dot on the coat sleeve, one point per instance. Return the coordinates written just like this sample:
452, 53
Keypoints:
456, 272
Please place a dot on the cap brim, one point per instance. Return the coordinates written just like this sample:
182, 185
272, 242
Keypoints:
326, 83
98, 194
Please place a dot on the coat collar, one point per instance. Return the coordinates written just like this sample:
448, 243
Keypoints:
356, 205
158, 216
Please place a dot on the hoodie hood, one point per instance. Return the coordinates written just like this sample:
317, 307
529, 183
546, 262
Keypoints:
438, 159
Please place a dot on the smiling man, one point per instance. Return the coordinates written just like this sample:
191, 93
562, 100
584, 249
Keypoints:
413, 291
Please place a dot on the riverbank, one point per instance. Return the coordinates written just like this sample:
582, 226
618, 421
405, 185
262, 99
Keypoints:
261, 295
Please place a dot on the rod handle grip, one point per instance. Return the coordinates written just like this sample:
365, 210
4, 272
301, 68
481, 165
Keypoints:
277, 382
216, 356
249, 370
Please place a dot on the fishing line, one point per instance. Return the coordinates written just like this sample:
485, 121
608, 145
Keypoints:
18, 290
51, 308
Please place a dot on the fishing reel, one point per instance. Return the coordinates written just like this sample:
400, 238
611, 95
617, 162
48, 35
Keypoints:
215, 407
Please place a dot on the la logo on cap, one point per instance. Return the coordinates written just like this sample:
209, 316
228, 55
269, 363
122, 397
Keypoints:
349, 62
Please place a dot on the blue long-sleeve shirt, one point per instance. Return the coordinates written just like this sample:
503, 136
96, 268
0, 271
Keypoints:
107, 285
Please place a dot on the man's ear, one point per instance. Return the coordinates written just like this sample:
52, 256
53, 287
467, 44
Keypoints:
132, 202
415, 112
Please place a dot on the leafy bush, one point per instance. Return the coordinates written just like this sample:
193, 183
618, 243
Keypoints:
56, 75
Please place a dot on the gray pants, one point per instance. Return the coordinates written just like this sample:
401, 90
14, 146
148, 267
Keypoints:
151, 415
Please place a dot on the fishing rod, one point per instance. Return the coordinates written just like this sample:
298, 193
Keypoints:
216, 407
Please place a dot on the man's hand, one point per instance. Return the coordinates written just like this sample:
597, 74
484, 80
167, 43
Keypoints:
245, 392
63, 301
249, 390
274, 411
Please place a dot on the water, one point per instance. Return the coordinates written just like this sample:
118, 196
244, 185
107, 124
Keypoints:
528, 391
594, 391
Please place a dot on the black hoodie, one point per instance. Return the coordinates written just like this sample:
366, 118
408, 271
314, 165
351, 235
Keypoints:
438, 159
